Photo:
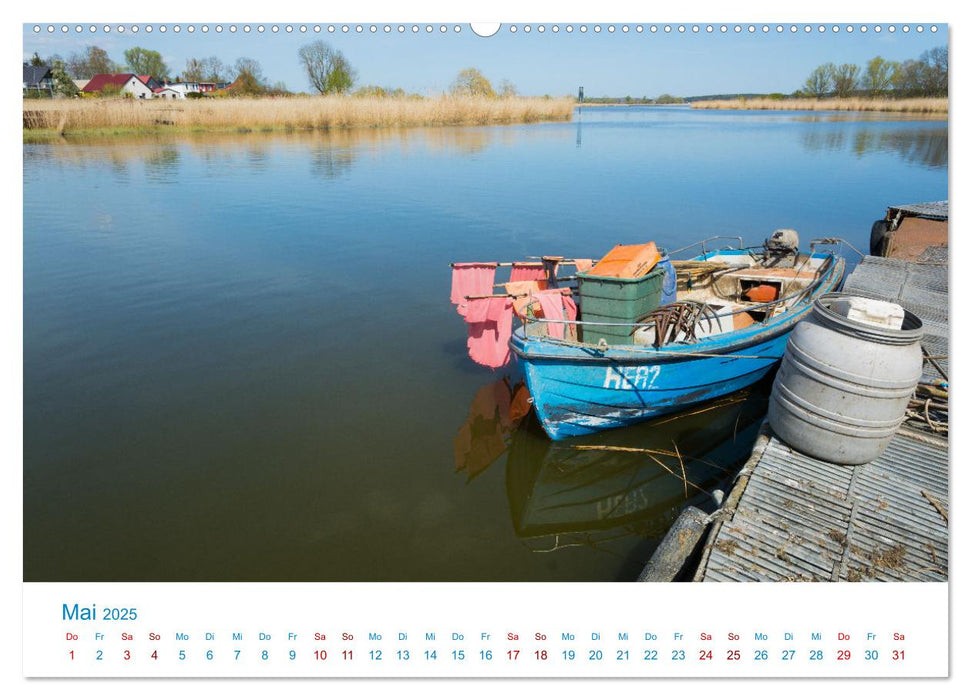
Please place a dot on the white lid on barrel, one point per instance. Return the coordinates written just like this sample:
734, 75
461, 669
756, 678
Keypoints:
873, 312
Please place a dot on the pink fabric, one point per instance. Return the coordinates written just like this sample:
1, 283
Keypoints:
570, 307
558, 307
525, 272
490, 328
583, 264
471, 279
522, 293
477, 310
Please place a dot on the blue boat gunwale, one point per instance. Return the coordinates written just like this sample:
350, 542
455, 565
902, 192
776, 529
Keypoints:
546, 348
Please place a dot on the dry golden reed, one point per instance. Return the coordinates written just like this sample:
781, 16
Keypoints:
915, 105
66, 116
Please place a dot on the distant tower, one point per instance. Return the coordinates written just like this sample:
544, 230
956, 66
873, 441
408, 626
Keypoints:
580, 95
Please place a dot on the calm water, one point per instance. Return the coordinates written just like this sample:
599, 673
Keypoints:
240, 362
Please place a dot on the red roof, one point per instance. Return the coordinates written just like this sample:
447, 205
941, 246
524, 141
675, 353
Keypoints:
145, 78
101, 80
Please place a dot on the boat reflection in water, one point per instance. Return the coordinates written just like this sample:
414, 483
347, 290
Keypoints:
618, 491
496, 411
621, 490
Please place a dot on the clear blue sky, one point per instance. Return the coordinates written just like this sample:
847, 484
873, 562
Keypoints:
615, 64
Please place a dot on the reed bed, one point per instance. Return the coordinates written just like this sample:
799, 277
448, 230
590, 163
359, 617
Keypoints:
267, 114
915, 105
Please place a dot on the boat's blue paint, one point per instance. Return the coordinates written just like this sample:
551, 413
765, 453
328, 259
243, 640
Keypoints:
579, 389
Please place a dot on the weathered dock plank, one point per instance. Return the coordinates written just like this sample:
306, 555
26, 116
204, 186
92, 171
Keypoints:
791, 517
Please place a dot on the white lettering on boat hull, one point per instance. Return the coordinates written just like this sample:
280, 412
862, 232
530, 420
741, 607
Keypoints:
642, 377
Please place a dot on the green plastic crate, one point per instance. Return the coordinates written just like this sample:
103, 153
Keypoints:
617, 300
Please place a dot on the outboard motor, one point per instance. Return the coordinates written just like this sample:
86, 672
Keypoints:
782, 248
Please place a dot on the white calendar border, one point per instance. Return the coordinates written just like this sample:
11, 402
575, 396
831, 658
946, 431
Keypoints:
486, 629
58, 10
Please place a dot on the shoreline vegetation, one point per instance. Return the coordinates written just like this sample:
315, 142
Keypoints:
45, 118
913, 105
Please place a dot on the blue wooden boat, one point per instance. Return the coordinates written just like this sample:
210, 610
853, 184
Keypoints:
580, 386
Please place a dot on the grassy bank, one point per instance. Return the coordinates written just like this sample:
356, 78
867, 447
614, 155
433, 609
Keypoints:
107, 116
916, 105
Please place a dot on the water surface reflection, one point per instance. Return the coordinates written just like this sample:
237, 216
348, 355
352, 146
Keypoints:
617, 492
927, 146
240, 362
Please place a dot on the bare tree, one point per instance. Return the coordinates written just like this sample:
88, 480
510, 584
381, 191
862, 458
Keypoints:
507, 89
91, 62
327, 69
845, 78
194, 71
216, 71
935, 82
205, 70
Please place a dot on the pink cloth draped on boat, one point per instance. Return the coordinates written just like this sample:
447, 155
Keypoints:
522, 293
471, 279
557, 307
583, 264
527, 271
490, 327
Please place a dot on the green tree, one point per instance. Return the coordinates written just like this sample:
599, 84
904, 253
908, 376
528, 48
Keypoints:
877, 78
146, 62
110, 90
820, 81
667, 99
471, 83
36, 60
910, 78
91, 62
845, 78
373, 91
63, 85
327, 69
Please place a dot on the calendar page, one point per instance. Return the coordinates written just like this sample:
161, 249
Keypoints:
386, 344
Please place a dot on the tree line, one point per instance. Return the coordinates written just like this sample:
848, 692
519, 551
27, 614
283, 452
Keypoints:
664, 99
328, 72
246, 73
924, 77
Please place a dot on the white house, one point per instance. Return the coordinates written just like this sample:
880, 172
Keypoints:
183, 88
125, 82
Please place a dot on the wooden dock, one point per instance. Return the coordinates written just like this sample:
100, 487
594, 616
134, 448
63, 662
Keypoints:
790, 517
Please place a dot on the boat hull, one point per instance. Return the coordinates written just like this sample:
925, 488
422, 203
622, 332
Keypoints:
574, 398
580, 389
